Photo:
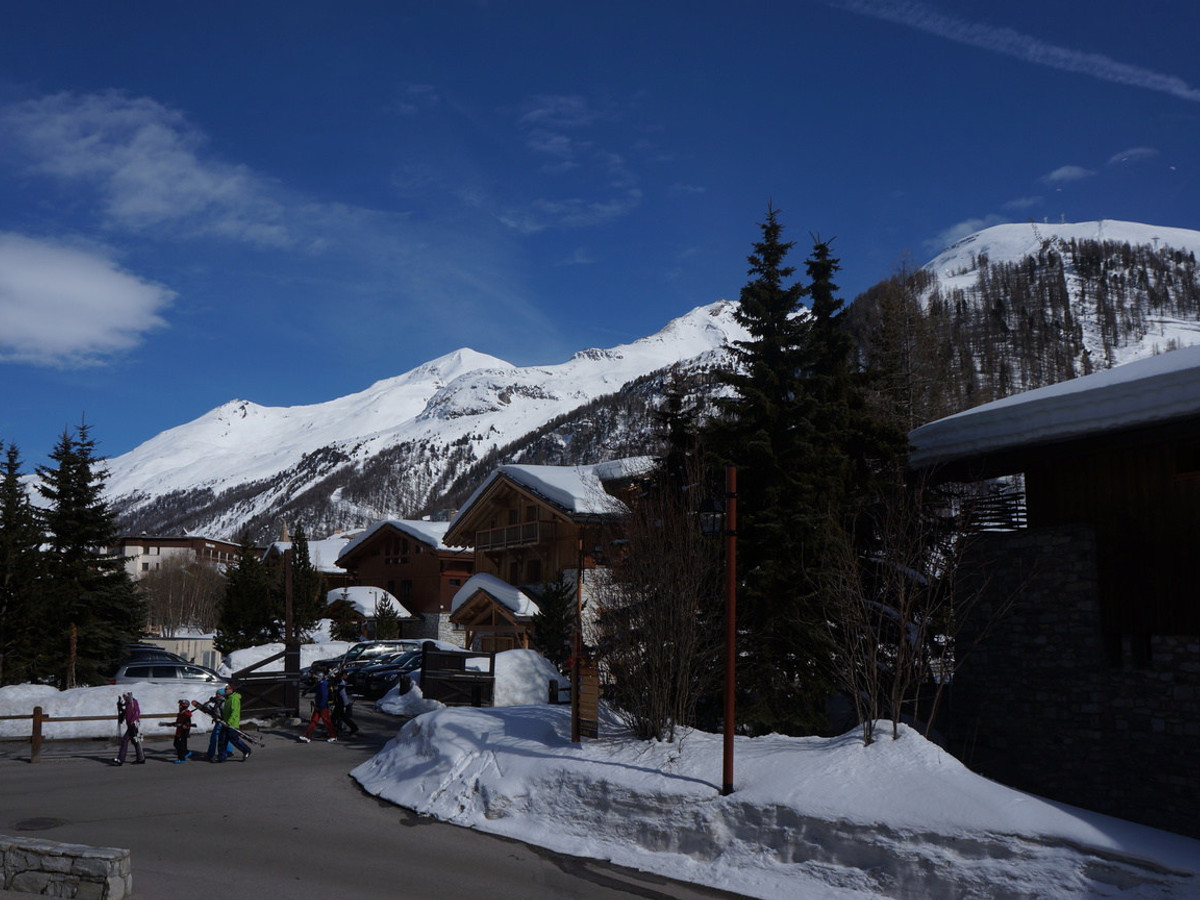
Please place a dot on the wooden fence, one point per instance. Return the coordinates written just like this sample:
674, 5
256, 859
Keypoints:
39, 718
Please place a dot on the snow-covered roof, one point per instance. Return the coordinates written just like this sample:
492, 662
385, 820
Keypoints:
1150, 391
364, 598
322, 554
578, 490
426, 532
505, 594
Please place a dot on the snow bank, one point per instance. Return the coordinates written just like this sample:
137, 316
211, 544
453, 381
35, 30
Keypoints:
811, 817
20, 699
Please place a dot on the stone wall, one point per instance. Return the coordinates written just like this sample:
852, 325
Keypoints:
33, 866
1042, 704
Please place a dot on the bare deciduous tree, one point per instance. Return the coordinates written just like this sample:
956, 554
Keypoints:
895, 610
658, 615
182, 593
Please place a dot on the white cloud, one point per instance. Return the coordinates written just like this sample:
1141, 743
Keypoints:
1023, 203
961, 230
1063, 174
148, 167
1013, 43
1132, 155
63, 306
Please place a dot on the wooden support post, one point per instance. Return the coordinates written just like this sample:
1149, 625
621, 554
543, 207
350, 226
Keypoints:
35, 740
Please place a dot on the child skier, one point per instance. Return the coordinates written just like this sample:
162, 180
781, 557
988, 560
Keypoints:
182, 726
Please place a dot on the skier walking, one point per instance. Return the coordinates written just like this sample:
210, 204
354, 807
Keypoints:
231, 714
212, 708
129, 714
343, 704
183, 727
320, 713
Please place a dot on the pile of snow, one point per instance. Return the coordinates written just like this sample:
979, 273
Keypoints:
153, 699
810, 817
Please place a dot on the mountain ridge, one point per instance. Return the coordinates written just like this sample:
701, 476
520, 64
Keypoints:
1076, 294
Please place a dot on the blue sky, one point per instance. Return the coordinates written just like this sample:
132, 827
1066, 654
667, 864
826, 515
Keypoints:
285, 202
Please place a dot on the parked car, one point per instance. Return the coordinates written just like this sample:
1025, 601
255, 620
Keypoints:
360, 654
132, 653
376, 680
149, 653
184, 674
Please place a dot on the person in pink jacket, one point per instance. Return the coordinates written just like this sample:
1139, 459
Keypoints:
129, 714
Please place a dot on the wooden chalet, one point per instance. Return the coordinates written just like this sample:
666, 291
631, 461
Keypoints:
493, 614
410, 560
1082, 681
531, 525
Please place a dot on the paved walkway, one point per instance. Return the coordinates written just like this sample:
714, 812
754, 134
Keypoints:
289, 824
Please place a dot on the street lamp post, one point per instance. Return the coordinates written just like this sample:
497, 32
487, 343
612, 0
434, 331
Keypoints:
711, 524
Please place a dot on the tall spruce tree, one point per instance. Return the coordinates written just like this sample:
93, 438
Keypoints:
796, 427
96, 608
22, 633
308, 605
251, 613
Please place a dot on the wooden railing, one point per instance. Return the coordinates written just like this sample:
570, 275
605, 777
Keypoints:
39, 718
519, 535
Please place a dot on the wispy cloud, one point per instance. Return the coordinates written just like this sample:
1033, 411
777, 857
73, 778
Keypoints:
147, 166
143, 171
1018, 203
960, 230
1064, 174
67, 307
1013, 43
1132, 155
560, 132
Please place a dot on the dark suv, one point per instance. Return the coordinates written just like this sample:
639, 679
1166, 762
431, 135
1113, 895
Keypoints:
360, 654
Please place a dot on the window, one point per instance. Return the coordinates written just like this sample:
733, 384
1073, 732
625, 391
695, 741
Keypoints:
533, 571
406, 588
531, 513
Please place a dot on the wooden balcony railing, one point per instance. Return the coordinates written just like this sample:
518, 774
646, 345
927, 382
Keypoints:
521, 535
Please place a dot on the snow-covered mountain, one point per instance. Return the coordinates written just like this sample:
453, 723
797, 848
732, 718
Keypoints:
1131, 288
1008, 308
242, 464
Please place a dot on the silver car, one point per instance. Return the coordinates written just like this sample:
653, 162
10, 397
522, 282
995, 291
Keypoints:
165, 672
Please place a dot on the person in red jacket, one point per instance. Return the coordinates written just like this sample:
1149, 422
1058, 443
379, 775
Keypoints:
320, 713
183, 727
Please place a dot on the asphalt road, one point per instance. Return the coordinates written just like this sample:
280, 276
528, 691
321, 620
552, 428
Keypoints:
289, 824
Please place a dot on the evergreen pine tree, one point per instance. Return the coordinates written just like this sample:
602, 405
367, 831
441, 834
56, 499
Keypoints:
308, 604
797, 428
250, 611
553, 625
22, 632
96, 608
387, 619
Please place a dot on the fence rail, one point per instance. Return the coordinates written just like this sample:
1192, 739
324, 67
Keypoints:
39, 718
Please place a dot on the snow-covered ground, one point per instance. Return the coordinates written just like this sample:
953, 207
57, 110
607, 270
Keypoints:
817, 818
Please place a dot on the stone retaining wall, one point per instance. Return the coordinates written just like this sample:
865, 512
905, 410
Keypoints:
51, 869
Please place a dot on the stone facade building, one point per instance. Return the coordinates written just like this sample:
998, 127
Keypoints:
1081, 674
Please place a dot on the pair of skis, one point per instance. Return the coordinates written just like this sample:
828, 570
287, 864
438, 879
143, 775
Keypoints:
208, 711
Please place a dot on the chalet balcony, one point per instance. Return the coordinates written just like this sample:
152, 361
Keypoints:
523, 535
